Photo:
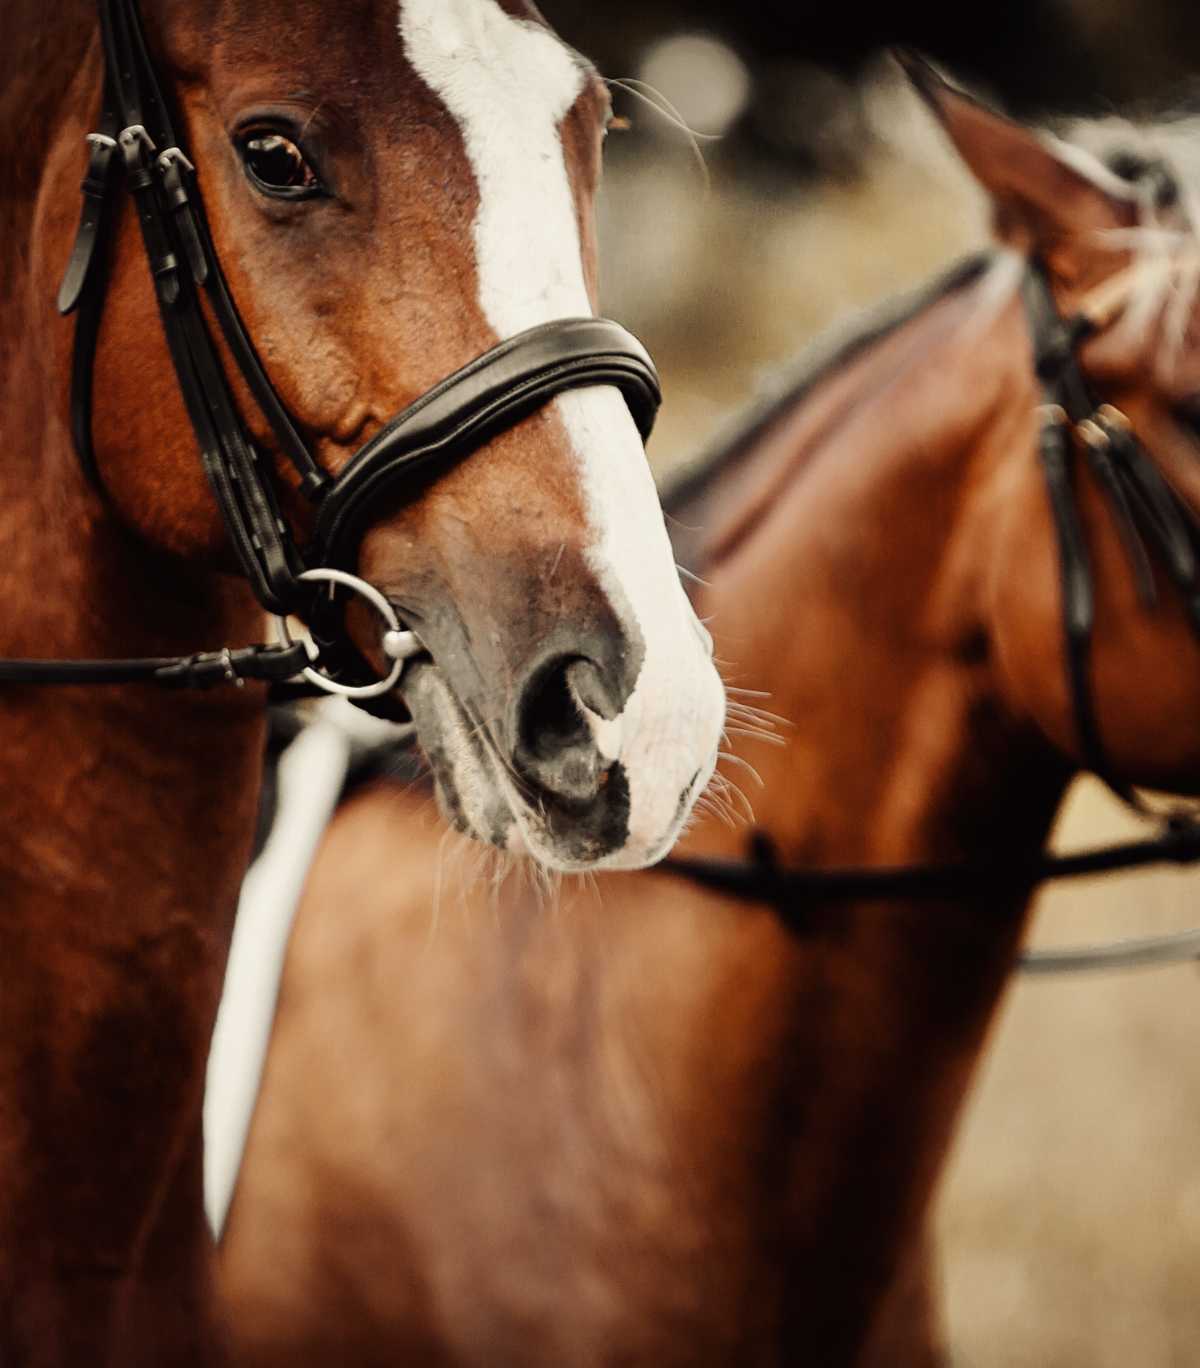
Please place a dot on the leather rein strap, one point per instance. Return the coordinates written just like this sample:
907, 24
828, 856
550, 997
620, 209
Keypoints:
1151, 519
138, 142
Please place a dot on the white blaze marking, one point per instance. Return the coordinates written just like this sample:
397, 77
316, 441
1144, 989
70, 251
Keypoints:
509, 83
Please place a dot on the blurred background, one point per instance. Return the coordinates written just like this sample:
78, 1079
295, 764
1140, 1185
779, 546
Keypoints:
1070, 1218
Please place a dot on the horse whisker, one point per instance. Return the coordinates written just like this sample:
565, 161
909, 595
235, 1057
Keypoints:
691, 577
663, 107
753, 734
745, 764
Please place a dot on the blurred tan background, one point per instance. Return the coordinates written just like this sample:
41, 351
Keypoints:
1070, 1219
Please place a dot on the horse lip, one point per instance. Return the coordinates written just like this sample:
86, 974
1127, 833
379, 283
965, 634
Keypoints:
416, 671
420, 673
430, 697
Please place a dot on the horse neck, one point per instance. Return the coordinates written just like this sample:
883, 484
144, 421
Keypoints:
126, 816
689, 1085
860, 601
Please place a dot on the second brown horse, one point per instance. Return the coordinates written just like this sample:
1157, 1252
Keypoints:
650, 1126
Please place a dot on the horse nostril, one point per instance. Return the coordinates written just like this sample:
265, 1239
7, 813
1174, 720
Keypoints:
556, 749
549, 714
594, 689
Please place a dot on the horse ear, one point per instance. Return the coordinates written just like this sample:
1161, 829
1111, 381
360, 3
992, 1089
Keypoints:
1047, 198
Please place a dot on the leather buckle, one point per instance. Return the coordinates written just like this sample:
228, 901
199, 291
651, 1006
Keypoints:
96, 178
172, 163
96, 187
174, 156
211, 669
231, 675
137, 147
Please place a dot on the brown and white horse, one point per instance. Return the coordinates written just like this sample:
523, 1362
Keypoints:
648, 1125
455, 148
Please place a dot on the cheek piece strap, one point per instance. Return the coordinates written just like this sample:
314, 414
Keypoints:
137, 143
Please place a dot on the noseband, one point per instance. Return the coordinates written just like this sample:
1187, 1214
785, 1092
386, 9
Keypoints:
1153, 521
137, 139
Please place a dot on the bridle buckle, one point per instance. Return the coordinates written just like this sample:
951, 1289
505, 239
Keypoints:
135, 140
173, 156
231, 675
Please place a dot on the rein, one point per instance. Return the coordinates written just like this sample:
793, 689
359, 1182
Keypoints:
137, 141
1146, 510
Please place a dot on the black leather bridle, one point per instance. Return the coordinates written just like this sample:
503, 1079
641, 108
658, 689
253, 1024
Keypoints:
1153, 522
137, 141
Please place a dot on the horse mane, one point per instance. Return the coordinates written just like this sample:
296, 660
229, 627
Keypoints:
834, 348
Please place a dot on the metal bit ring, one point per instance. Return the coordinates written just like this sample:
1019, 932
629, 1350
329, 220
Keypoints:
398, 645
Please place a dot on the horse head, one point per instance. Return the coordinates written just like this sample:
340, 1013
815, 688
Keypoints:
390, 197
1108, 218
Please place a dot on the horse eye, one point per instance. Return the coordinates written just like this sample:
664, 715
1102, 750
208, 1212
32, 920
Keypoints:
277, 166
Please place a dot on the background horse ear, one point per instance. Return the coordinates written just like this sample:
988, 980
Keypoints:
1049, 196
